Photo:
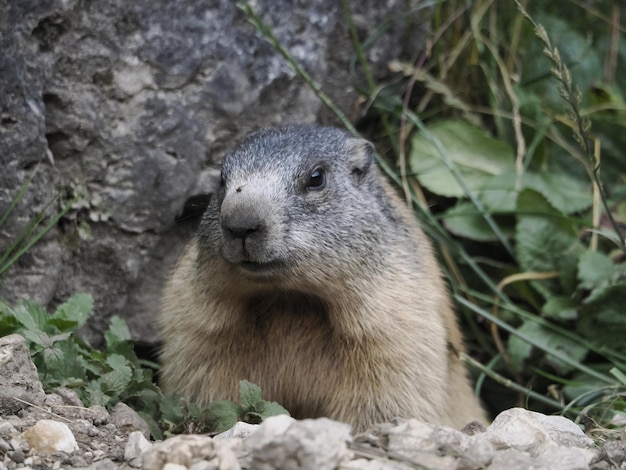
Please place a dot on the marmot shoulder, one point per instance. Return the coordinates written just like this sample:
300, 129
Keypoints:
311, 278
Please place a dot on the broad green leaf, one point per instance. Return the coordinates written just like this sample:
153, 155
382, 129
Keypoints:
465, 221
223, 415
603, 318
32, 316
171, 408
550, 340
117, 381
66, 362
499, 193
562, 308
563, 192
73, 313
476, 154
249, 394
117, 333
273, 409
546, 241
38, 337
94, 395
594, 269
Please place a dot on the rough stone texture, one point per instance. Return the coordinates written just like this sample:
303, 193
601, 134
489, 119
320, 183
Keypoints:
125, 105
19, 382
282, 442
517, 440
240, 429
189, 450
125, 418
136, 446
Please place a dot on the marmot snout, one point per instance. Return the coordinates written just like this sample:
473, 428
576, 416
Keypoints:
310, 278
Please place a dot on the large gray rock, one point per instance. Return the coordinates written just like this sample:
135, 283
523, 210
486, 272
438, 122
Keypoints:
19, 382
125, 106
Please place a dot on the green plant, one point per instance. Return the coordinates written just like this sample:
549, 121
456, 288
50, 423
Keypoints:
29, 236
115, 373
527, 221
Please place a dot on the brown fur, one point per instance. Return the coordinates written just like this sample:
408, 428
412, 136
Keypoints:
358, 340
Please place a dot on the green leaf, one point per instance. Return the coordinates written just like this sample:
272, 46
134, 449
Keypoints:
602, 317
563, 192
222, 415
594, 269
117, 333
273, 409
249, 394
32, 316
499, 193
546, 241
562, 308
74, 313
94, 395
116, 381
64, 360
171, 408
548, 341
476, 154
465, 221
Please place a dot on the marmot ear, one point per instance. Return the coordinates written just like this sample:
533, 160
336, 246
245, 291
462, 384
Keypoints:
360, 158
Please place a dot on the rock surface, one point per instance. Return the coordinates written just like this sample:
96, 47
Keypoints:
91, 437
126, 105
19, 382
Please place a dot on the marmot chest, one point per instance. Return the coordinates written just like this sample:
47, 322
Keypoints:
285, 344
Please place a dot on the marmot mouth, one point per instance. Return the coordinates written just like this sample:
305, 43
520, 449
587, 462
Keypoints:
269, 268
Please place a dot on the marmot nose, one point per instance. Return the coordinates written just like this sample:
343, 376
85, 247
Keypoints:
242, 226
242, 232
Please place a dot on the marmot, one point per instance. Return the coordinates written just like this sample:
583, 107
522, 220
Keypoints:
310, 278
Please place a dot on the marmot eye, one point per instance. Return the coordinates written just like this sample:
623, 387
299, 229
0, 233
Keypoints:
317, 180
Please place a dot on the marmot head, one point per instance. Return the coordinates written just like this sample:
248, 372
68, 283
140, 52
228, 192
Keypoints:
297, 206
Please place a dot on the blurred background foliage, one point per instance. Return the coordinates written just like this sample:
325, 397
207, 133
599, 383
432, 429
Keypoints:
506, 133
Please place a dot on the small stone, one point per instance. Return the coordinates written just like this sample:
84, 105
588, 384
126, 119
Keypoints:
128, 420
69, 396
53, 400
18, 443
104, 464
184, 449
136, 446
49, 436
17, 456
533, 432
7, 429
174, 466
99, 415
473, 427
4, 446
240, 429
78, 461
